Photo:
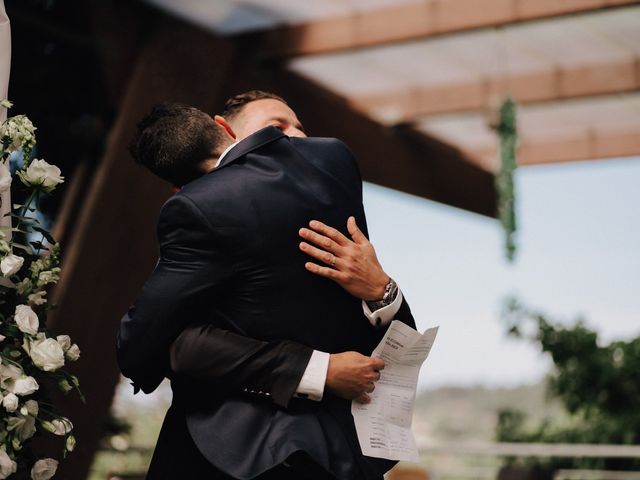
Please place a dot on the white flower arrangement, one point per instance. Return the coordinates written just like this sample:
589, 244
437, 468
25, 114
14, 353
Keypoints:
29, 354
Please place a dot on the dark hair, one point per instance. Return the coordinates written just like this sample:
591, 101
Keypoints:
174, 139
235, 104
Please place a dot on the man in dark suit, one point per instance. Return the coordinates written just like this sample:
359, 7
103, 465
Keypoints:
353, 265
228, 246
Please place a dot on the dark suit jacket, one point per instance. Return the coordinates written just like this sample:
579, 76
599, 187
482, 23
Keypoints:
229, 251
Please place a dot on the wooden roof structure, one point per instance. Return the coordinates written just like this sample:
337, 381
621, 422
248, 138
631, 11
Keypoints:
438, 65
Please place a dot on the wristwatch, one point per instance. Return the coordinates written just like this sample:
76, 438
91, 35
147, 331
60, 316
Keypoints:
390, 293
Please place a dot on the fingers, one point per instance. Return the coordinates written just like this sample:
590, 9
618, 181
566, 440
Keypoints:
377, 363
364, 398
326, 272
355, 232
325, 243
329, 232
321, 255
370, 387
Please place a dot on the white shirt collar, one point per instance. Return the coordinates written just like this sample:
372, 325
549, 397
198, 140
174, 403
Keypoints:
226, 150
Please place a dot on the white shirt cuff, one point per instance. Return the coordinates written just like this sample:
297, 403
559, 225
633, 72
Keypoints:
384, 315
311, 385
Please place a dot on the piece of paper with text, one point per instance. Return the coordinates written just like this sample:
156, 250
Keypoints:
384, 425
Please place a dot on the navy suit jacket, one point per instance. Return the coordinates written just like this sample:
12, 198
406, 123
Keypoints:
229, 255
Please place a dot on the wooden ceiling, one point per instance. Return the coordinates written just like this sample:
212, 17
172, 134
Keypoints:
408, 84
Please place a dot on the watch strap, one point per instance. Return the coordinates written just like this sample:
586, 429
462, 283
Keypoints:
390, 294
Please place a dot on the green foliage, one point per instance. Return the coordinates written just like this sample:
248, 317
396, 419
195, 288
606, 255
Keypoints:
599, 385
507, 130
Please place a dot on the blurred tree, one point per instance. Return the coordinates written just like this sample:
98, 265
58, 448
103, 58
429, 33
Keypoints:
599, 385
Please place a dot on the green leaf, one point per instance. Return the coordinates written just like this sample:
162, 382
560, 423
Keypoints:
45, 234
38, 245
22, 247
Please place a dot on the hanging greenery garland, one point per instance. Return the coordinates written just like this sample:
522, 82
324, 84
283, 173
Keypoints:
507, 130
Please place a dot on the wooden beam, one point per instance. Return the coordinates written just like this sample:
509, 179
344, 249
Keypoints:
398, 158
561, 83
113, 246
566, 148
409, 20
589, 146
586, 129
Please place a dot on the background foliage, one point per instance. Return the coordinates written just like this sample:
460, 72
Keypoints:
599, 385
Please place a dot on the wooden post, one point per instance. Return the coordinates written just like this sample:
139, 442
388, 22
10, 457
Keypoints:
113, 247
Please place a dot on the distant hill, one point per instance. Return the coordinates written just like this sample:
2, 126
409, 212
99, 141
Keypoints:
470, 413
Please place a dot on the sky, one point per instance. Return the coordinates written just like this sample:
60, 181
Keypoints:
578, 256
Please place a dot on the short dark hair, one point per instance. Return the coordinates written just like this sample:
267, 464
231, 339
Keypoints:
173, 140
235, 104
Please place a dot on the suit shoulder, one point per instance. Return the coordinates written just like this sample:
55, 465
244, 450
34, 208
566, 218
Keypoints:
180, 210
330, 150
322, 142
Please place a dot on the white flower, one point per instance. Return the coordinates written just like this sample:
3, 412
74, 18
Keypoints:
64, 341
11, 264
61, 426
44, 469
25, 426
25, 386
26, 319
73, 353
6, 103
24, 286
30, 407
64, 385
47, 354
41, 174
48, 426
37, 298
70, 444
10, 402
5, 178
21, 132
8, 375
48, 276
7, 466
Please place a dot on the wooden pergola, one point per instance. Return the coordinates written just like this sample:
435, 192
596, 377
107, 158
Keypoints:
405, 83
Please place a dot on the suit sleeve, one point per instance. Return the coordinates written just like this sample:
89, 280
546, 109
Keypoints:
191, 270
193, 267
405, 315
235, 363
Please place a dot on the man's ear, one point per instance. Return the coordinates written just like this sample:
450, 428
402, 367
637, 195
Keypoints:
223, 123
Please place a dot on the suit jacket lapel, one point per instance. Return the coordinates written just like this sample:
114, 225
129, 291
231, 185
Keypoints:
256, 140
